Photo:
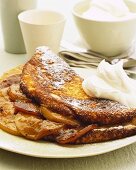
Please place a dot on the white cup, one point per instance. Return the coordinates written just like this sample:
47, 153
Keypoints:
41, 28
12, 36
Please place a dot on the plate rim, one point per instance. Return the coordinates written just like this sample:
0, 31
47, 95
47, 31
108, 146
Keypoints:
69, 156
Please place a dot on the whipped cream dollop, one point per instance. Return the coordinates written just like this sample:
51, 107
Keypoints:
111, 82
108, 10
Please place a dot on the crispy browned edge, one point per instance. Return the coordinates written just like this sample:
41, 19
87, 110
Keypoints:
107, 133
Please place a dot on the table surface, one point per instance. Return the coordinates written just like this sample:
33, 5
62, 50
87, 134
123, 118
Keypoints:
122, 159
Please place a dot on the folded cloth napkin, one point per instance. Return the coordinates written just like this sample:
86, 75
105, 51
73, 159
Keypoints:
79, 57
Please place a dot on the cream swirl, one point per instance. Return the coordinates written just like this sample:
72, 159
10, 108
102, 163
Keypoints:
108, 10
111, 82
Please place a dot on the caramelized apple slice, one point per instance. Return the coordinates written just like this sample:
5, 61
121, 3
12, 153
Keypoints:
7, 123
4, 94
6, 81
6, 107
71, 135
28, 108
52, 116
16, 94
34, 128
7, 117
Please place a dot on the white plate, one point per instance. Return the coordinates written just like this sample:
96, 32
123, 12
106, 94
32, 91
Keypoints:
45, 149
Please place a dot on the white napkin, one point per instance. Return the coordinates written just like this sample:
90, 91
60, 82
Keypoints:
79, 57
